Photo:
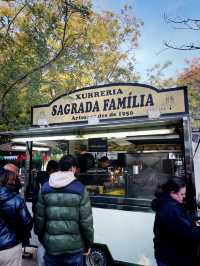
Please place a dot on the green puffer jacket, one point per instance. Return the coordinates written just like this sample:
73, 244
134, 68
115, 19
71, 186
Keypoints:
63, 216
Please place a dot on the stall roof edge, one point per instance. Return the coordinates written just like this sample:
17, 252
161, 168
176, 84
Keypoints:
33, 131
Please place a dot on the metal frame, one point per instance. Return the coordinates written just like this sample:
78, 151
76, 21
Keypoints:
116, 202
189, 166
184, 88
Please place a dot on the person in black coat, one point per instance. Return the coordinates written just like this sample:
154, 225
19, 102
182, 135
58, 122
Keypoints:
15, 222
85, 159
42, 177
176, 234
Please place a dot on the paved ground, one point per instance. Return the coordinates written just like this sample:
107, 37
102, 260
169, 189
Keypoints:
30, 261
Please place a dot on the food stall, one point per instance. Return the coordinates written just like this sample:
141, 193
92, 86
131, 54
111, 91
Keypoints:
143, 131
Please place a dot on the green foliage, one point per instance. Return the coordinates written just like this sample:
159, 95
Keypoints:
50, 46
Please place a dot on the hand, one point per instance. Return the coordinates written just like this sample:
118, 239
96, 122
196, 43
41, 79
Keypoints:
87, 253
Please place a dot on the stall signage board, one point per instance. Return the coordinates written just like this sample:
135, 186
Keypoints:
98, 145
113, 101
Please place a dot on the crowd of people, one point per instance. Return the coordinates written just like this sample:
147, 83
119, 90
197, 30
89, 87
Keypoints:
62, 217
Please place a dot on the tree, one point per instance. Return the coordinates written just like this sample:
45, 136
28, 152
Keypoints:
191, 77
156, 77
57, 46
33, 35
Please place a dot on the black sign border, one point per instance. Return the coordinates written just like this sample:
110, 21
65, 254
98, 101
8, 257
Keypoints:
184, 88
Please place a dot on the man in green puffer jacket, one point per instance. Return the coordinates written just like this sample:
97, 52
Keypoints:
63, 217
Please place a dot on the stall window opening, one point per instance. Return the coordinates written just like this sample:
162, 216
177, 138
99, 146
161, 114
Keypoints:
134, 170
129, 167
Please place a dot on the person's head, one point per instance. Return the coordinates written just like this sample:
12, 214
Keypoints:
6, 177
68, 163
12, 173
176, 188
104, 162
83, 148
52, 166
10, 167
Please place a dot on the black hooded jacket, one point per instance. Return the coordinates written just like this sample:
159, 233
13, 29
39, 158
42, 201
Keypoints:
15, 219
176, 235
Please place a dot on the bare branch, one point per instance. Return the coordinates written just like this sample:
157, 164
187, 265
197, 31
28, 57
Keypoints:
183, 47
182, 21
186, 24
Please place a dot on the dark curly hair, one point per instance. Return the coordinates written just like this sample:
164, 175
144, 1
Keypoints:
66, 162
174, 184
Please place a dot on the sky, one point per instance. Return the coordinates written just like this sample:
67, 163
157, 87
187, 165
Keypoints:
156, 31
